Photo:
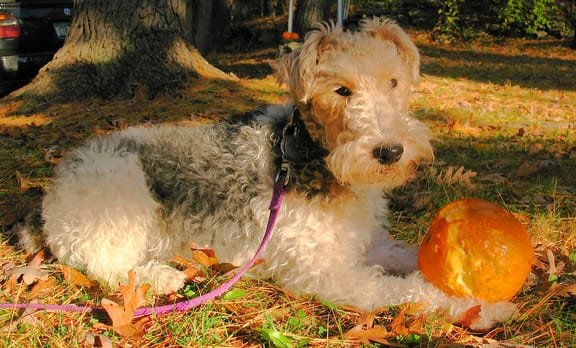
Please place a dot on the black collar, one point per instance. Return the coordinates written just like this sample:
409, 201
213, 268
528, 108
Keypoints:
297, 147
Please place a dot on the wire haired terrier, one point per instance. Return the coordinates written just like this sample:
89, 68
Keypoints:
134, 199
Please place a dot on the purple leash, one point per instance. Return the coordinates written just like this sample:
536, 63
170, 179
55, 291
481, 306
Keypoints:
275, 204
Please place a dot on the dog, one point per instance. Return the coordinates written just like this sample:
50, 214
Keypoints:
134, 199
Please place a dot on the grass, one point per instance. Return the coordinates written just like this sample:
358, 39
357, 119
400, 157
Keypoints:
503, 110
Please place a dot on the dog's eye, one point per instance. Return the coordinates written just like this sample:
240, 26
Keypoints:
393, 83
344, 91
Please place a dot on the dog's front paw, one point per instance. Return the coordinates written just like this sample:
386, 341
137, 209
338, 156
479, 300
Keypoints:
163, 278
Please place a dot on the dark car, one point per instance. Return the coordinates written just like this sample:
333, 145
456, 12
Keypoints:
31, 31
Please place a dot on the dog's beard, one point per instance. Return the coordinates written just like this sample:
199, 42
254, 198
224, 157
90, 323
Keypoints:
354, 164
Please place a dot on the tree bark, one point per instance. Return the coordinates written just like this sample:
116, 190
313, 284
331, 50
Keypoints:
115, 48
308, 13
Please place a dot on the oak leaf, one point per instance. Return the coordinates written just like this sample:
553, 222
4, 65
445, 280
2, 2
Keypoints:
365, 331
28, 274
122, 315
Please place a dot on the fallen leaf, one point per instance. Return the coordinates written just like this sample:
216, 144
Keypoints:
97, 341
551, 263
565, 290
398, 325
223, 268
494, 178
28, 274
192, 272
75, 277
527, 168
23, 183
465, 128
42, 287
6, 267
365, 330
471, 316
452, 176
122, 315
365, 334
205, 257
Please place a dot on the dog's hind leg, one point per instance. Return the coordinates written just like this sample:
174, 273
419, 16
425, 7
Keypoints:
101, 217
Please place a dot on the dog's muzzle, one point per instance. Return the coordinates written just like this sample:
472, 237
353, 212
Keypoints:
388, 154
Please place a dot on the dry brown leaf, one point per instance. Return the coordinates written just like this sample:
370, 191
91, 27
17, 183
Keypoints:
122, 315
365, 334
494, 178
565, 290
452, 176
42, 287
527, 168
37, 258
75, 277
365, 331
223, 268
551, 262
6, 267
418, 325
471, 316
97, 341
205, 257
192, 272
23, 183
28, 274
465, 128
398, 325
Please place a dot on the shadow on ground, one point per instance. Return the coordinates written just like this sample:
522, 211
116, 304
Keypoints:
522, 70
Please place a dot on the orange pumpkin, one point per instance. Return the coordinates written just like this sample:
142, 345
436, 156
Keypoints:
478, 249
286, 35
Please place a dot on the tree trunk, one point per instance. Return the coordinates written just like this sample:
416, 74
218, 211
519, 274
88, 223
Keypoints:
117, 47
310, 12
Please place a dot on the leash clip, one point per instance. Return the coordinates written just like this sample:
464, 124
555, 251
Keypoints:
283, 174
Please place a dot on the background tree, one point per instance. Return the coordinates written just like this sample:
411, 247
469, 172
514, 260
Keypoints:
310, 12
117, 47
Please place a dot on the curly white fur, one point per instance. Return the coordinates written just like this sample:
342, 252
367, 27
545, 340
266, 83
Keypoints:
136, 198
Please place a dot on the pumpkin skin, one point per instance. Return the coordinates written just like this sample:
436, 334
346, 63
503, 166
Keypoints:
475, 248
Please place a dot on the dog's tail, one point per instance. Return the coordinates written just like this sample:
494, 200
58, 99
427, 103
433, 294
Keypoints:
29, 232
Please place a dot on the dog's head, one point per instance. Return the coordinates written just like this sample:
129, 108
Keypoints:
353, 89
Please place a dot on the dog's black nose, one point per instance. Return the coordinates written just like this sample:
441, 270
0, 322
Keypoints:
388, 154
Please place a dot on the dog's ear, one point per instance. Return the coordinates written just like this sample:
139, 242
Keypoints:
297, 68
388, 30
